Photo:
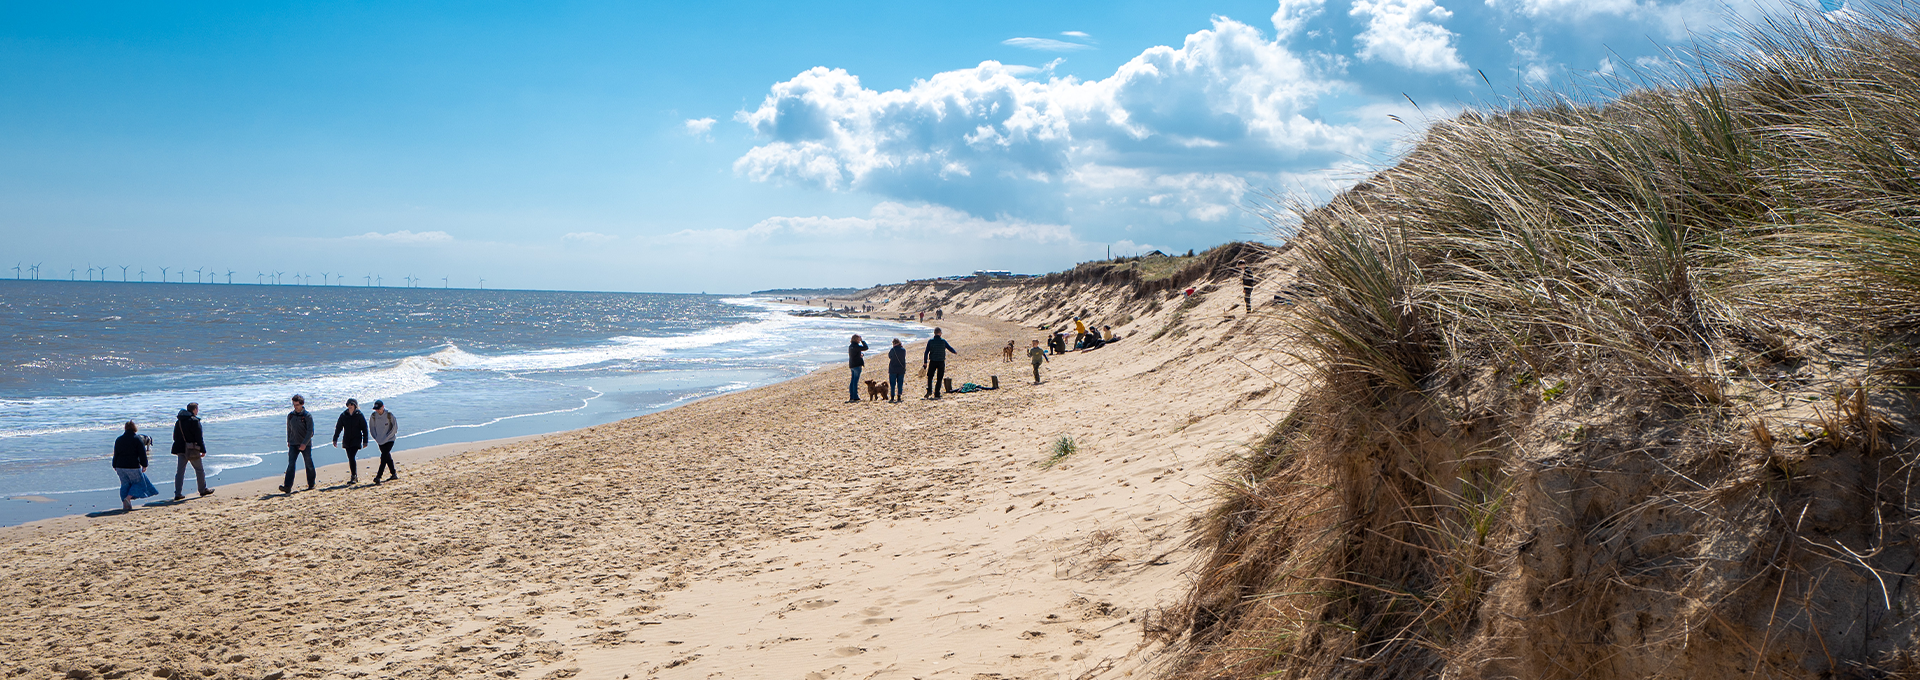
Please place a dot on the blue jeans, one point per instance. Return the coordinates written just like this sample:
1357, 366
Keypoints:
853, 385
897, 383
293, 457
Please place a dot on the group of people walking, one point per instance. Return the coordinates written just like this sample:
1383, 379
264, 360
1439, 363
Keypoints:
352, 431
933, 360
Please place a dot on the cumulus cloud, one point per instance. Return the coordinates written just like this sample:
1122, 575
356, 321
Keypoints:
1293, 14
700, 127
406, 237
1407, 33
886, 220
1045, 44
992, 140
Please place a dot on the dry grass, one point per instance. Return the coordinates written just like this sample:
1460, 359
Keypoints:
1545, 342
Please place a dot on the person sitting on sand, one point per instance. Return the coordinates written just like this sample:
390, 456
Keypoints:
855, 362
934, 360
299, 442
130, 463
896, 371
189, 446
383, 429
1109, 335
353, 423
1037, 355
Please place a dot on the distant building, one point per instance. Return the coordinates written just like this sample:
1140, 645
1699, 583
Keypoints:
992, 273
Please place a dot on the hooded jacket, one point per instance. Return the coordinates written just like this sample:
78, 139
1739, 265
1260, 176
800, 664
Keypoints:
381, 425
186, 430
354, 425
299, 429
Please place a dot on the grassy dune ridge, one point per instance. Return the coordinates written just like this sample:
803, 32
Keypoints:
1614, 390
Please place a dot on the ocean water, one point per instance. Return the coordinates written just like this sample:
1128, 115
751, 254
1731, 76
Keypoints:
81, 358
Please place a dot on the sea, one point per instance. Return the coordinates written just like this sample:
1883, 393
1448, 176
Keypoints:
454, 365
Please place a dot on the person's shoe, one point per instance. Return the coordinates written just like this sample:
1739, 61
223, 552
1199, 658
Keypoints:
285, 489
177, 498
208, 492
352, 481
309, 487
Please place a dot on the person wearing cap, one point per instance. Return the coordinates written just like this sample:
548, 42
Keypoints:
383, 429
189, 445
354, 425
299, 442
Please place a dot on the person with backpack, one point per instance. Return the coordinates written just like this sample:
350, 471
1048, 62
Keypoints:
353, 424
189, 446
382, 427
934, 360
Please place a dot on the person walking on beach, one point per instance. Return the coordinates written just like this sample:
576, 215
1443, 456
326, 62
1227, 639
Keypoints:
383, 430
897, 371
299, 442
855, 362
1246, 284
130, 463
934, 360
1037, 355
190, 447
352, 423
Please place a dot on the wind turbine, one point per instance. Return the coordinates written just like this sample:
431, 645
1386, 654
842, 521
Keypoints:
369, 278
483, 283
36, 271
123, 272
379, 281
163, 274
229, 277
196, 273
16, 271
276, 276
259, 278
143, 274
90, 272
73, 274
409, 279
324, 278
443, 282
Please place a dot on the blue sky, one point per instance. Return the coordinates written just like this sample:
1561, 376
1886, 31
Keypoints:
685, 147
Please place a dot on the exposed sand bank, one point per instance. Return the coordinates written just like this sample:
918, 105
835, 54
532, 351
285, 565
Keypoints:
776, 532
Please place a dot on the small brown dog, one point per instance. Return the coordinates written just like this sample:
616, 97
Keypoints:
876, 391
1008, 351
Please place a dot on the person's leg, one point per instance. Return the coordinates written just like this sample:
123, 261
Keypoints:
896, 384
353, 466
1036, 373
936, 375
293, 459
853, 384
180, 477
199, 474
386, 461
311, 475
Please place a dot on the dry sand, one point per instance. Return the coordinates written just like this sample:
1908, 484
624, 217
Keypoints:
772, 533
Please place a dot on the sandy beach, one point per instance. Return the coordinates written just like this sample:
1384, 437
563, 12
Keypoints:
774, 532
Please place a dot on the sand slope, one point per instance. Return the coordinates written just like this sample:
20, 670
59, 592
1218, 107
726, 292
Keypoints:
771, 533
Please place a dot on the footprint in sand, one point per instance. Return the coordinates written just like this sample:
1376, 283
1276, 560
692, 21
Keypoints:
816, 604
849, 651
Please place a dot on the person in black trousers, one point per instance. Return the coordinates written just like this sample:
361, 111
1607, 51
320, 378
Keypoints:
934, 359
383, 428
897, 371
354, 425
299, 442
855, 362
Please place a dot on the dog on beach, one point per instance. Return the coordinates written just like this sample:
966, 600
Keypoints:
1008, 351
876, 391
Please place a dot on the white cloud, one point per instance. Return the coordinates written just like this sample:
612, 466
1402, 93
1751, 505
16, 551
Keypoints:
700, 127
887, 220
589, 237
991, 140
1293, 14
1076, 34
1045, 44
1529, 60
1407, 33
407, 237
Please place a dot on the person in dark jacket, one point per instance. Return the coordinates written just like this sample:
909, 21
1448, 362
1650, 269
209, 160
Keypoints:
934, 359
299, 442
189, 446
897, 371
130, 463
855, 362
353, 424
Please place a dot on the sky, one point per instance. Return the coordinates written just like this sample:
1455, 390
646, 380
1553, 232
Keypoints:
735, 146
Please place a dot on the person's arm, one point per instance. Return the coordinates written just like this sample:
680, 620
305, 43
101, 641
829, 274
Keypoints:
338, 425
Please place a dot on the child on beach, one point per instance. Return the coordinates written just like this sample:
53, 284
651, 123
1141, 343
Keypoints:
1037, 355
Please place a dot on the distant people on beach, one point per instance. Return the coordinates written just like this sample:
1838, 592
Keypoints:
1057, 342
130, 464
896, 371
934, 360
353, 424
1037, 355
855, 362
299, 442
1107, 332
383, 428
939, 314
189, 447
1246, 284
